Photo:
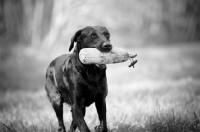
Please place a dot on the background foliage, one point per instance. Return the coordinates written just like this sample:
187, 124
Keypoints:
52, 23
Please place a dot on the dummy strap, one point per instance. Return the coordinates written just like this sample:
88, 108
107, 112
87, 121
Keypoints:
133, 62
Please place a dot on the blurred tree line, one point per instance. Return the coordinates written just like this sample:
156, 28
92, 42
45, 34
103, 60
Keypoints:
46, 22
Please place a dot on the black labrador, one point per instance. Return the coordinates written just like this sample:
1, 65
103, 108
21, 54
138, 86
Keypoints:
79, 85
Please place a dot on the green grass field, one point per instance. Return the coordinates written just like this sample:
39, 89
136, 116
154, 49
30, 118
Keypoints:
161, 94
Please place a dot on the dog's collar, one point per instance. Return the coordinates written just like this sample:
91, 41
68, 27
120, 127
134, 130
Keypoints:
101, 66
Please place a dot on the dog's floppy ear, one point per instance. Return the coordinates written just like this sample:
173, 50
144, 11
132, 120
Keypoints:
74, 39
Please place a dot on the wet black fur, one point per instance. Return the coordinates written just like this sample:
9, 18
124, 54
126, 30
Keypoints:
79, 85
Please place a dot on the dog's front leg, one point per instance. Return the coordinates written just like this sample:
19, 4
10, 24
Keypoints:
101, 110
78, 117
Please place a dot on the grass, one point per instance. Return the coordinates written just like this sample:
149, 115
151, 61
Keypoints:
162, 94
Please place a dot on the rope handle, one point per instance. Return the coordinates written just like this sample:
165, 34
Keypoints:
133, 62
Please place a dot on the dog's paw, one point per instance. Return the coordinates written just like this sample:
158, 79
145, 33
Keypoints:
61, 130
100, 129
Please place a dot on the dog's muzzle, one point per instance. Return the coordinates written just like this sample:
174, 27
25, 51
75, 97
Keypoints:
106, 47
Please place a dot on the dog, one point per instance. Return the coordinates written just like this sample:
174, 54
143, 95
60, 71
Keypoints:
77, 84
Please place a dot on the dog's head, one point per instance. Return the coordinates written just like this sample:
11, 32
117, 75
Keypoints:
92, 37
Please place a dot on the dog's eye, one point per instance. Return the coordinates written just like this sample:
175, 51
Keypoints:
93, 36
107, 35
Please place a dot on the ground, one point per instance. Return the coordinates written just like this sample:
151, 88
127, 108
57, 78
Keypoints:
161, 94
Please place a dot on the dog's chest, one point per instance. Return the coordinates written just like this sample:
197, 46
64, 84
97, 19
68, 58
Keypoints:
91, 94
87, 83
96, 87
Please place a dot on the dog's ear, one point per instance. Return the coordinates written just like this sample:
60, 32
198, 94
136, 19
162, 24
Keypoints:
74, 39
